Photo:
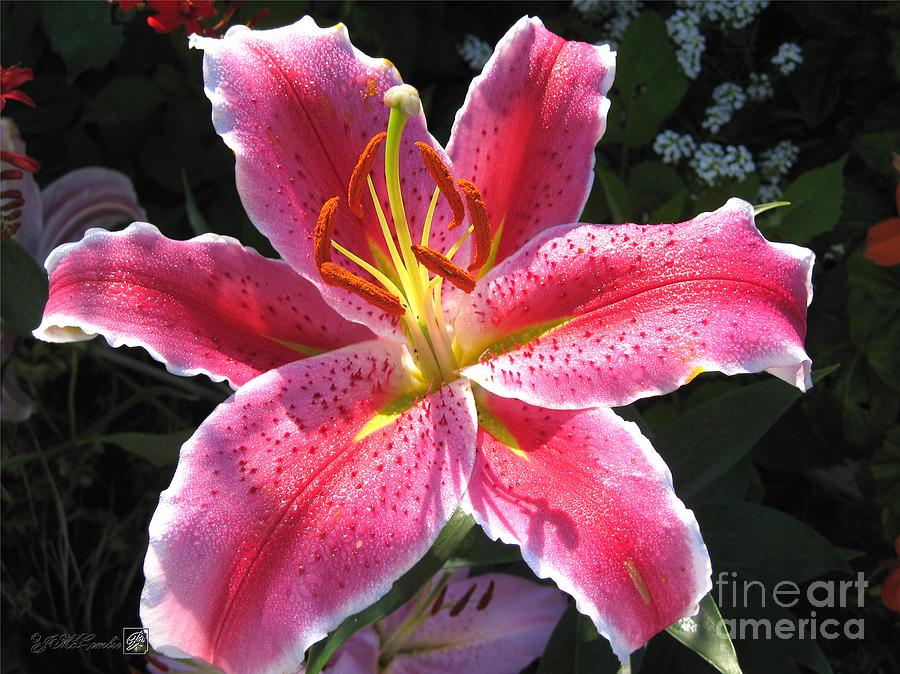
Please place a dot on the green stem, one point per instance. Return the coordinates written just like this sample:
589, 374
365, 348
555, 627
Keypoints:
397, 638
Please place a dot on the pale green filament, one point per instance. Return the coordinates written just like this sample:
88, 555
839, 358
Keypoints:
420, 340
421, 298
388, 239
454, 249
426, 228
378, 274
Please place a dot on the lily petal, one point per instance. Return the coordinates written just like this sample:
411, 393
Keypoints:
592, 506
204, 306
31, 219
290, 510
501, 629
83, 199
609, 314
298, 105
527, 130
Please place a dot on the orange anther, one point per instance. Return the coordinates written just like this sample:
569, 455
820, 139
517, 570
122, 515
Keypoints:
360, 173
440, 265
324, 230
481, 227
440, 174
337, 276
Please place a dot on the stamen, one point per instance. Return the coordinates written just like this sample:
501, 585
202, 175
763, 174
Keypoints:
481, 227
440, 266
360, 172
439, 601
337, 276
10, 174
440, 174
324, 230
461, 604
486, 598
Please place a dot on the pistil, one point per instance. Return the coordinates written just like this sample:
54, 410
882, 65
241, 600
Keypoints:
410, 296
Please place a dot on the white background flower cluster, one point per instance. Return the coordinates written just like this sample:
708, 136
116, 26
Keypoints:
711, 162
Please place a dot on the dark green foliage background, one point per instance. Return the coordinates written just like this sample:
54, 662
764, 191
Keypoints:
786, 487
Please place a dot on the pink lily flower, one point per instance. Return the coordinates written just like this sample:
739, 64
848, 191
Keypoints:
40, 220
373, 399
490, 624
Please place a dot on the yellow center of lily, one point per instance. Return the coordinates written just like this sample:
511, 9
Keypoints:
418, 270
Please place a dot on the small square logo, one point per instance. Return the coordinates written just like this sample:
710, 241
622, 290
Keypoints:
135, 640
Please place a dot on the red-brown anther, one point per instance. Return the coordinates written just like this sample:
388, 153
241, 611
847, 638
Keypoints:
360, 173
461, 604
439, 601
337, 276
440, 174
486, 598
8, 228
11, 194
481, 227
20, 161
440, 265
10, 174
11, 205
324, 230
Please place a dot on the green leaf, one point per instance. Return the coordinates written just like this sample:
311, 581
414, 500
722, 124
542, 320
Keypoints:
194, 216
816, 197
737, 605
129, 99
863, 405
575, 647
159, 449
621, 205
653, 185
672, 210
453, 533
82, 33
23, 289
885, 469
874, 309
765, 544
715, 197
479, 550
649, 82
733, 484
707, 636
875, 150
707, 440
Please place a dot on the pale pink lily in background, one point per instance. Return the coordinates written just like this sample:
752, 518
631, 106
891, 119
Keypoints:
489, 624
63, 211
373, 399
